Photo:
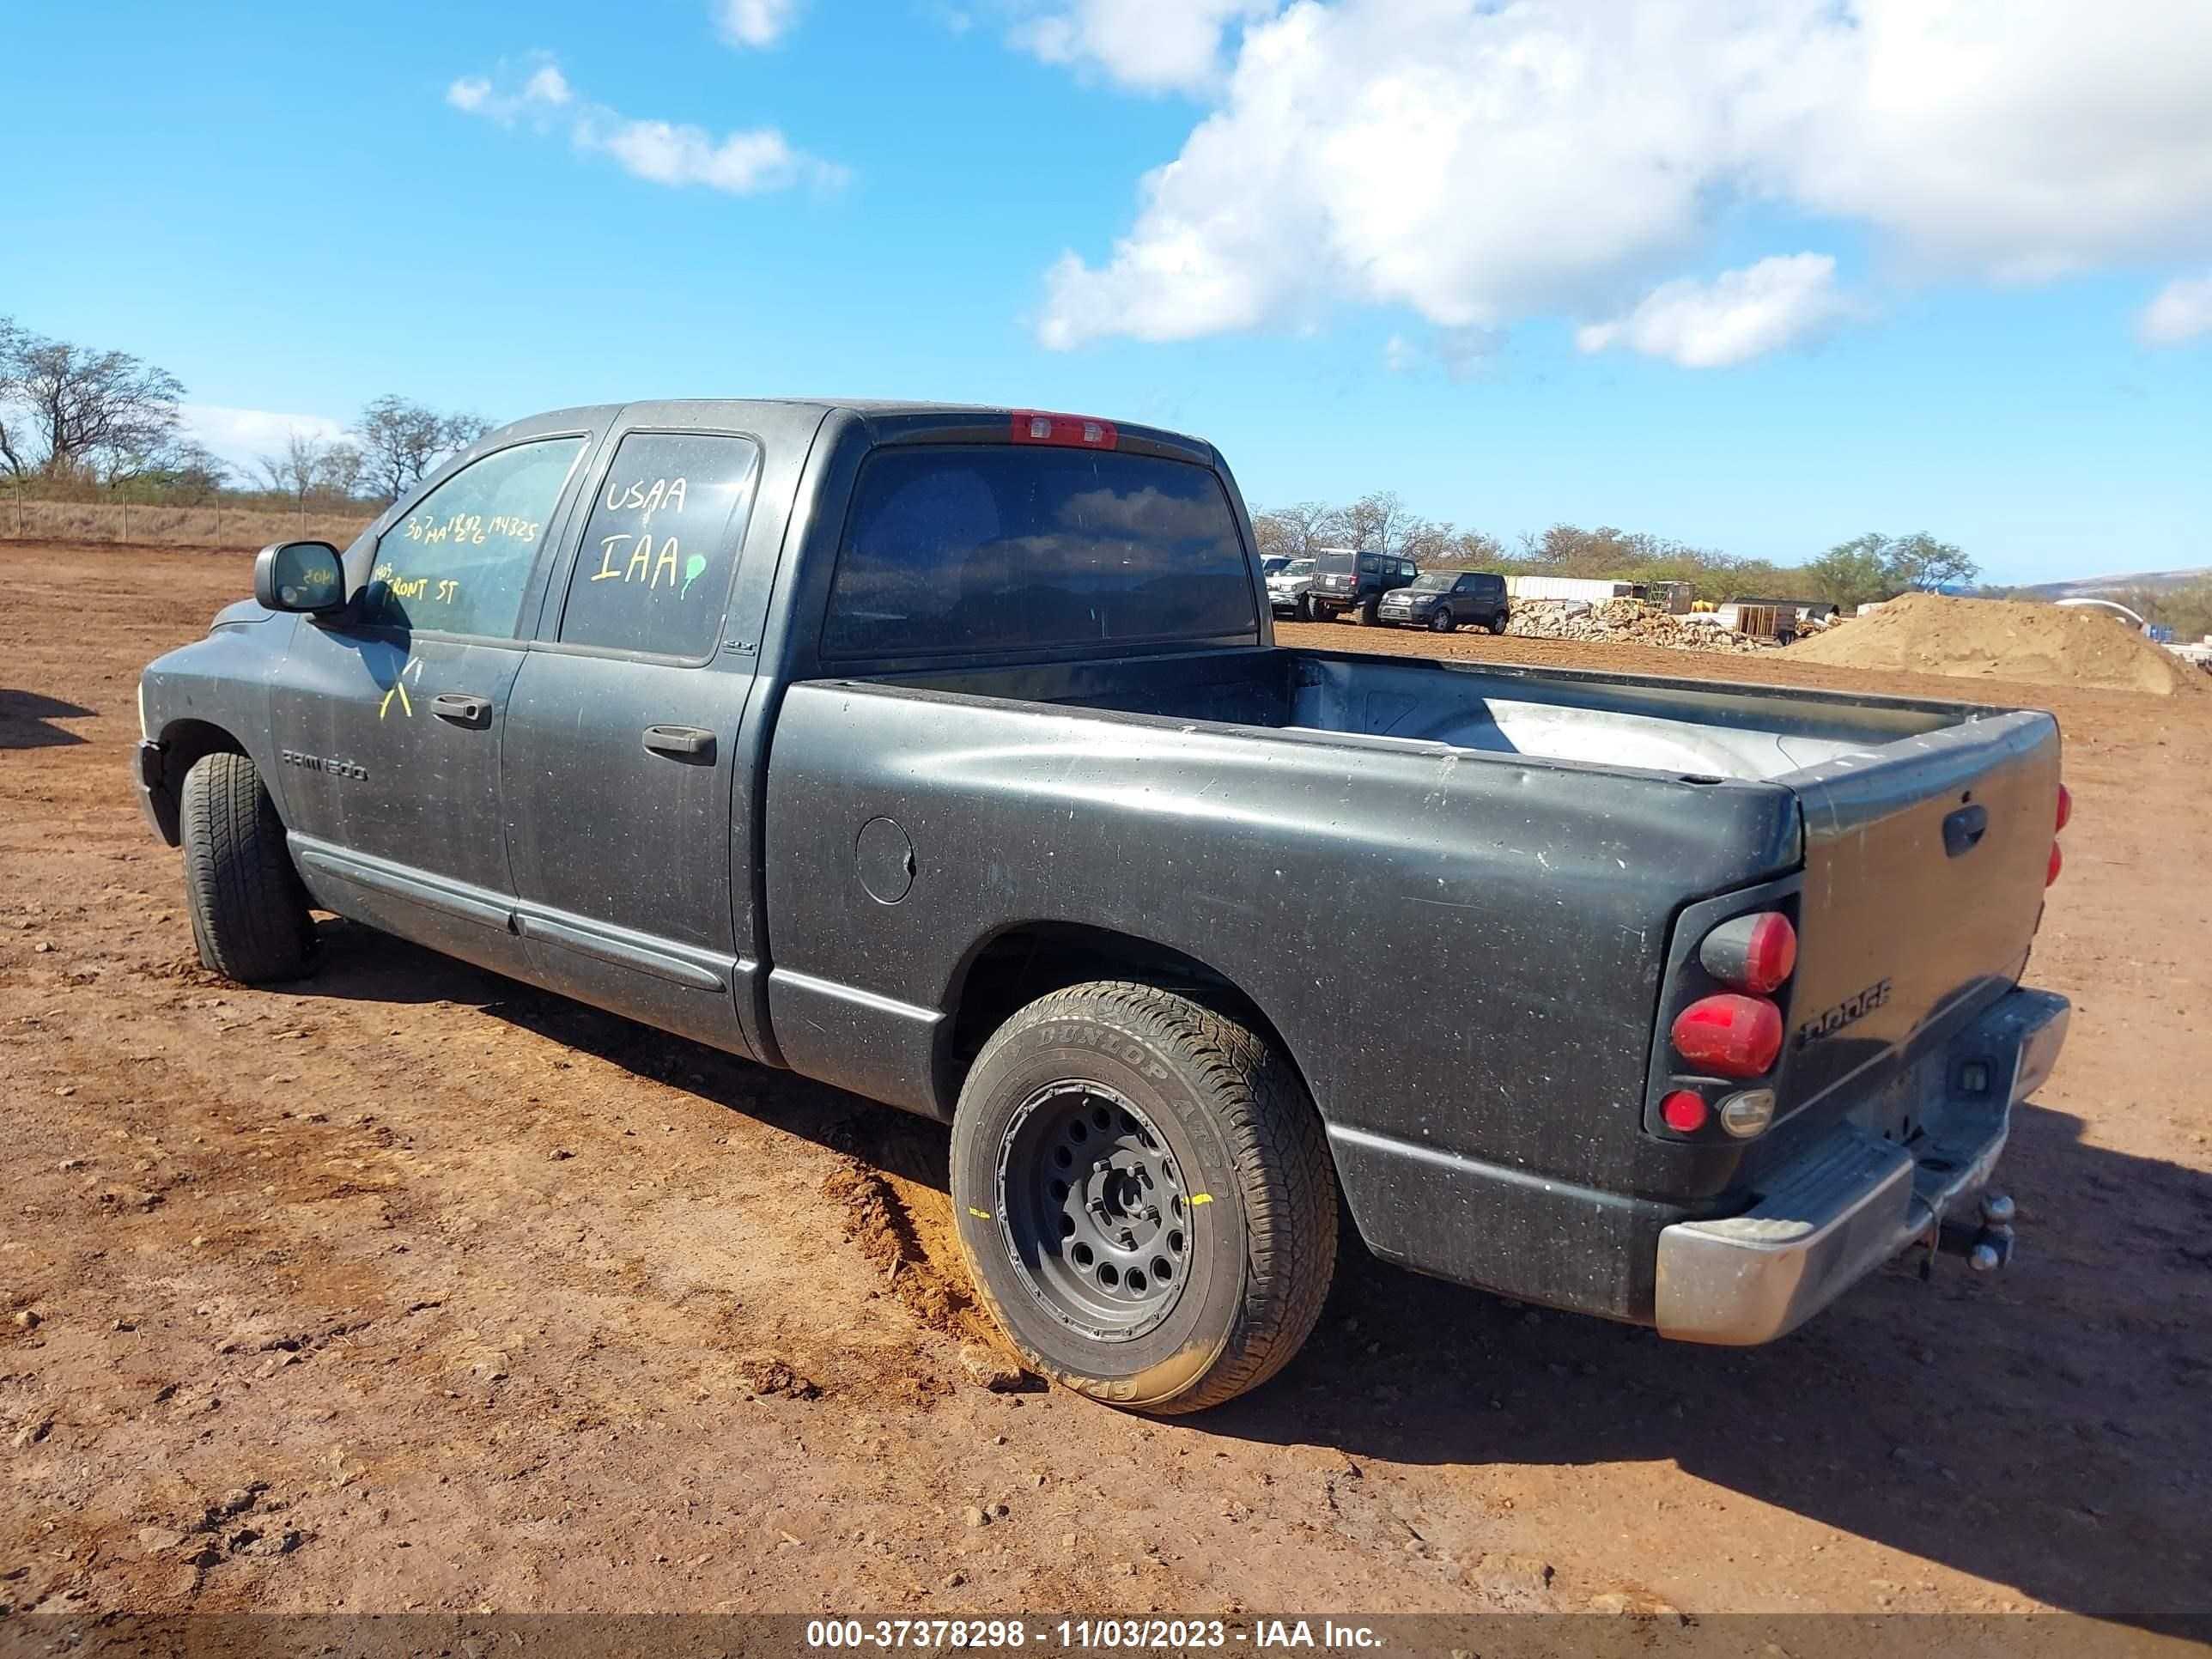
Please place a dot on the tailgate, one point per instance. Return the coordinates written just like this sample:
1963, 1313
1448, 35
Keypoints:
1925, 862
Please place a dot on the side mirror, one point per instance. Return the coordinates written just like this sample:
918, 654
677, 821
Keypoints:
299, 576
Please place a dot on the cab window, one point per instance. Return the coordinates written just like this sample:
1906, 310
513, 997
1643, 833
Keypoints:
652, 574
457, 561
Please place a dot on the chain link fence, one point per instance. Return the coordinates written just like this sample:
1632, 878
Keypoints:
240, 528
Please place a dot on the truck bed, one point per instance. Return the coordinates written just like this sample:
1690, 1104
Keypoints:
1452, 892
1711, 731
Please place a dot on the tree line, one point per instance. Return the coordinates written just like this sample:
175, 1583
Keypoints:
77, 421
1866, 567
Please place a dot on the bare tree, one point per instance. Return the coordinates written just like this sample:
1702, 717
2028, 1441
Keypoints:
399, 440
340, 475
68, 411
1377, 523
297, 470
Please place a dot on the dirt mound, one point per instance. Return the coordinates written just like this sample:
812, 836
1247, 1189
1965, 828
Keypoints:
2004, 640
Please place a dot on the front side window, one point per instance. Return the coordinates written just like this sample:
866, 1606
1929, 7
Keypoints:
654, 572
1013, 547
460, 559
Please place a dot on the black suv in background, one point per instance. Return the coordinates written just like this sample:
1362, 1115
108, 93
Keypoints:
1345, 581
1441, 600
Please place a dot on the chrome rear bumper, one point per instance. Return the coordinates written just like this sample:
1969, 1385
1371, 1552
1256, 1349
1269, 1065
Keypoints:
1855, 1199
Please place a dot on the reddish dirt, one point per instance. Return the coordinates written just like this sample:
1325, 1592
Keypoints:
409, 1286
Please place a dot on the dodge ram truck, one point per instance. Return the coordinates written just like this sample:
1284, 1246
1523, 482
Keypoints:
946, 754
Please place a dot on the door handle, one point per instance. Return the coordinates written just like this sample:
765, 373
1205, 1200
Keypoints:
462, 708
685, 742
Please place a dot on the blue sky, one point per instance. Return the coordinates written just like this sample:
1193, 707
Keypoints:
1763, 314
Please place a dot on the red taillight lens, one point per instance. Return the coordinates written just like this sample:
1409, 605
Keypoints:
1753, 953
1733, 1036
2065, 806
1034, 426
1683, 1111
2057, 863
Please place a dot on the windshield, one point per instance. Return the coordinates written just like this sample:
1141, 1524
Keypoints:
1297, 567
1272, 564
1434, 581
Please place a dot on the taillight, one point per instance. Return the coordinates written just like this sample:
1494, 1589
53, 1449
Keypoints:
1683, 1111
1034, 426
2065, 812
1755, 953
1731, 1035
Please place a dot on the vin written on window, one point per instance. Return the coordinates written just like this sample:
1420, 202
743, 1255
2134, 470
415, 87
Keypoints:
956, 550
653, 571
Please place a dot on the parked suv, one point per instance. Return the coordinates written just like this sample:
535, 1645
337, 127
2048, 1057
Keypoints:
1441, 600
1289, 590
1345, 581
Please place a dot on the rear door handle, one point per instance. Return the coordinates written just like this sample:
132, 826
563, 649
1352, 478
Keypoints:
685, 742
462, 708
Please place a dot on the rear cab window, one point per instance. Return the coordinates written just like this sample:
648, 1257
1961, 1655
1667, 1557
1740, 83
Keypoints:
653, 571
952, 549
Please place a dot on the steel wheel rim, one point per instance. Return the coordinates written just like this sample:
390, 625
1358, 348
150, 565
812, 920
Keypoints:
1095, 1211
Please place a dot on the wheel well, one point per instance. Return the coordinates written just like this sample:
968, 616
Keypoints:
183, 743
1016, 967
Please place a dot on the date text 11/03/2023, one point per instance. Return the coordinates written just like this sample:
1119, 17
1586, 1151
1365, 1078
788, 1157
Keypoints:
1093, 1635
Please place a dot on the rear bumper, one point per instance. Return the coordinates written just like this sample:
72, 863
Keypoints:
1855, 1199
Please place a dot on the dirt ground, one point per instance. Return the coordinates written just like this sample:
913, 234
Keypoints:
411, 1288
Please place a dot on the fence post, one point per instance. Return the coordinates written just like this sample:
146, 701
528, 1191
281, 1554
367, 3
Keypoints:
126, 518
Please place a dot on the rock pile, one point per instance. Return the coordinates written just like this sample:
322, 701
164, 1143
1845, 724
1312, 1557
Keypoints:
1625, 622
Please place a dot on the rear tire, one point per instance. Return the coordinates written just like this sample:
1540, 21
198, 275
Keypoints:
1367, 612
1144, 1196
1305, 612
248, 908
1498, 622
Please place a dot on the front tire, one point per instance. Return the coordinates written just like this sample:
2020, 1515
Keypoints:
248, 908
1144, 1196
1442, 623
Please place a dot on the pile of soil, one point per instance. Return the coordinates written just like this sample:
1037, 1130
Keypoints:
2004, 640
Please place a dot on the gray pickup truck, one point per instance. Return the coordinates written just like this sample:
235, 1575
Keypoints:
946, 754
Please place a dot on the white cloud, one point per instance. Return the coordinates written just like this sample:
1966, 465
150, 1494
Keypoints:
1153, 45
241, 436
1739, 315
543, 90
742, 163
755, 22
738, 163
2181, 312
1480, 162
